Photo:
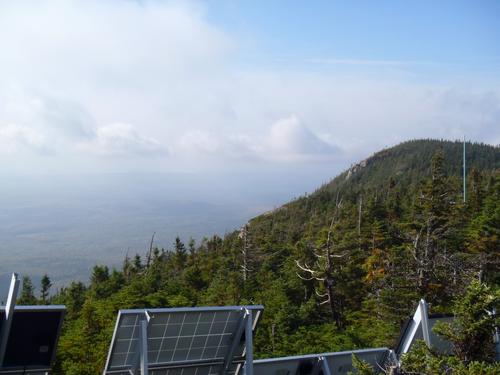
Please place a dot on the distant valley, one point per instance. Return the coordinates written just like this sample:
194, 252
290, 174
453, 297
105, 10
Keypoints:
64, 226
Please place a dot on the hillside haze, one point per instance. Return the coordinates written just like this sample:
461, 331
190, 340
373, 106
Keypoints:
65, 224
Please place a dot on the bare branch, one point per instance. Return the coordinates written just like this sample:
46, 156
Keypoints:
321, 295
305, 278
338, 255
306, 268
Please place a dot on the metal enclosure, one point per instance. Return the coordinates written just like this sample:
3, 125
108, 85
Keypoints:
337, 363
28, 335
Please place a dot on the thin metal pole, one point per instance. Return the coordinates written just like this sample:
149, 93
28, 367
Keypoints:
496, 338
249, 343
464, 170
325, 367
424, 321
144, 346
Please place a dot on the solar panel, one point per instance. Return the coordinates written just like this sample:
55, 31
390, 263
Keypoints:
419, 327
28, 335
322, 364
198, 341
32, 341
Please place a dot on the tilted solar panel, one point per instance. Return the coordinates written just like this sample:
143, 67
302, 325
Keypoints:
181, 340
32, 341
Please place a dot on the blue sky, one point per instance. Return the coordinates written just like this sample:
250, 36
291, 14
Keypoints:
461, 33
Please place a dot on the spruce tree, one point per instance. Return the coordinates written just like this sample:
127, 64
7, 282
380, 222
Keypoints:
180, 254
471, 331
27, 293
45, 285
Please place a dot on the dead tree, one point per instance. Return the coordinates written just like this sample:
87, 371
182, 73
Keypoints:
245, 250
323, 271
251, 256
150, 252
360, 210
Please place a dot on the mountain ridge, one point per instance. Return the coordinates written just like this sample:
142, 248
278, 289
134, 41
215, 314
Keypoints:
419, 154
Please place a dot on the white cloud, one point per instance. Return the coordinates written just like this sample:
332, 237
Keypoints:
117, 42
17, 139
289, 139
196, 142
121, 139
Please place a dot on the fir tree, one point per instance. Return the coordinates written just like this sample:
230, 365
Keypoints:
27, 293
45, 285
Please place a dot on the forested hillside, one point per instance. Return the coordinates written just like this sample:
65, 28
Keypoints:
338, 269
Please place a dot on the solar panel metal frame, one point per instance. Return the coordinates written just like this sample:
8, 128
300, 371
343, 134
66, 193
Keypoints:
255, 312
8, 314
322, 361
33, 368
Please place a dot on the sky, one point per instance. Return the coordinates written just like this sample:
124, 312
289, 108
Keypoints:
199, 86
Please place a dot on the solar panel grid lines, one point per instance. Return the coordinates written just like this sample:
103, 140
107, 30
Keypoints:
127, 338
209, 331
186, 338
223, 333
205, 370
192, 339
132, 341
185, 341
163, 339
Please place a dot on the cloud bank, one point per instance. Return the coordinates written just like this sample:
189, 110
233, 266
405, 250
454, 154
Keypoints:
93, 83
121, 139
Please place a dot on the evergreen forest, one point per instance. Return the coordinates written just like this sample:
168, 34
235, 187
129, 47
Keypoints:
340, 268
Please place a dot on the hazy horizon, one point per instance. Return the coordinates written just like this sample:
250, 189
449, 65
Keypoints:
63, 225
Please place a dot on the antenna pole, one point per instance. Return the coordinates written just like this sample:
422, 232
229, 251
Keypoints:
464, 171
